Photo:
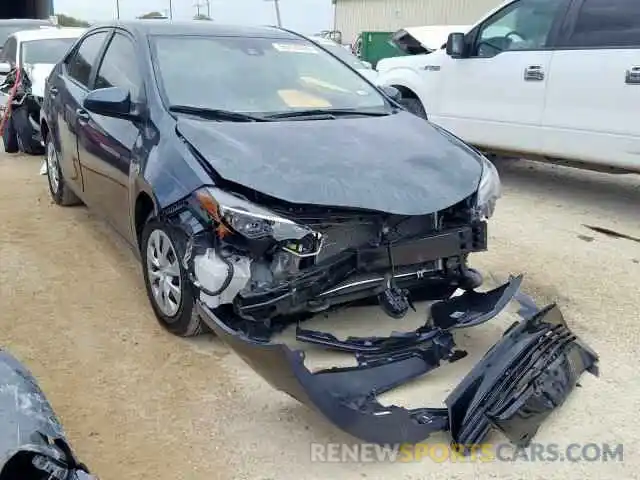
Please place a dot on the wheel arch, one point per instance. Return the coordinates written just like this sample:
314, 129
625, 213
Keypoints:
407, 81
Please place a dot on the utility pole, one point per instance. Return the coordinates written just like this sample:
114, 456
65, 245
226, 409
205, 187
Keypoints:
205, 3
118, 9
170, 10
276, 6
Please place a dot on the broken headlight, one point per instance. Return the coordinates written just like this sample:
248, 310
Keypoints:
489, 189
235, 215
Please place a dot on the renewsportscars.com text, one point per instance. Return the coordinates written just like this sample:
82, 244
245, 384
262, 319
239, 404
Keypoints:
489, 452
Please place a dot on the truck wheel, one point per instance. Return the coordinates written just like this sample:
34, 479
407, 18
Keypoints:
414, 106
167, 283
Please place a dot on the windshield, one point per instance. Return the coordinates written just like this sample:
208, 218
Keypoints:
342, 53
257, 75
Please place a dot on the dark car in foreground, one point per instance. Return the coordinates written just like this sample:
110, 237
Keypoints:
261, 180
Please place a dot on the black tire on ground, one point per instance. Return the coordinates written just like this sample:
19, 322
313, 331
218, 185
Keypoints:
414, 106
9, 138
185, 322
61, 194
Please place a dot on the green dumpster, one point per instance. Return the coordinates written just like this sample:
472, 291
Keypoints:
374, 46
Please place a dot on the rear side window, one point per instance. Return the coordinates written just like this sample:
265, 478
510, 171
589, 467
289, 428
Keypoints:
79, 64
119, 67
606, 24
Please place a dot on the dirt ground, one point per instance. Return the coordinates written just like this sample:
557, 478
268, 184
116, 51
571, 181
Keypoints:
139, 403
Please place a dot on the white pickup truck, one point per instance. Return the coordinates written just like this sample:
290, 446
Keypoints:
553, 80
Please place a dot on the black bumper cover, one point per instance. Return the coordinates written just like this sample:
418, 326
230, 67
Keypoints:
525, 376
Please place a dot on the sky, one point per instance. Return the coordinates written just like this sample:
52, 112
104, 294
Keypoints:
305, 16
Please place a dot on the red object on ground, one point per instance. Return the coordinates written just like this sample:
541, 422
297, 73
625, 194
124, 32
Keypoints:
7, 110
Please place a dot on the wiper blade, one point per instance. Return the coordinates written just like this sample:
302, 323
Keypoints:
216, 114
328, 112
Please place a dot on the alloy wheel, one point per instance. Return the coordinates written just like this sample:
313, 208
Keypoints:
163, 272
53, 168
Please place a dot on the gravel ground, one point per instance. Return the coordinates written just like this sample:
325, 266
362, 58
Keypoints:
139, 403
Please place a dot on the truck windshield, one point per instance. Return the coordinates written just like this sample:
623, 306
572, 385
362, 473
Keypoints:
50, 50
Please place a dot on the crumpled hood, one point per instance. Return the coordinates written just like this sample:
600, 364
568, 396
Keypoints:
38, 74
397, 163
429, 38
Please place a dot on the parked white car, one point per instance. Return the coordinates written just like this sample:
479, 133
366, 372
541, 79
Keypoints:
37, 50
364, 68
554, 80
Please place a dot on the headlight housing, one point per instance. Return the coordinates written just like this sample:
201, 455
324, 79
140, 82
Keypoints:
489, 189
233, 215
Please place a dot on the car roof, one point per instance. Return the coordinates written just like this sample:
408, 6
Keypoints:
24, 21
49, 32
197, 27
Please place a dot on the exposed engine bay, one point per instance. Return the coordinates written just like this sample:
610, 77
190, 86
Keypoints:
258, 269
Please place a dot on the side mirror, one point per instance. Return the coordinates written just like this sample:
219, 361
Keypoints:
456, 45
5, 68
110, 102
367, 64
391, 92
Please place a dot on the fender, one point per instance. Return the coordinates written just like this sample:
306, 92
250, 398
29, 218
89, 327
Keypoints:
408, 78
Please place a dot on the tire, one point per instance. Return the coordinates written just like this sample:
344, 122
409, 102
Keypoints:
414, 106
9, 138
60, 192
177, 315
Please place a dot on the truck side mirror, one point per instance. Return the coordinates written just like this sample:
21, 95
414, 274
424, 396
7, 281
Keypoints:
455, 45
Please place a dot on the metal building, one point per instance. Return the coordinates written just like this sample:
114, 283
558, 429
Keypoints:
355, 16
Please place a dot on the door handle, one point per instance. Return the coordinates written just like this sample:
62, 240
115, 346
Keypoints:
533, 73
632, 77
82, 115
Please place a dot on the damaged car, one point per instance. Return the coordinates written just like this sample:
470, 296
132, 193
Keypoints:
273, 183
33, 444
30, 55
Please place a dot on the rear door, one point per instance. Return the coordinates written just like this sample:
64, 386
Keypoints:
494, 97
66, 92
591, 112
105, 143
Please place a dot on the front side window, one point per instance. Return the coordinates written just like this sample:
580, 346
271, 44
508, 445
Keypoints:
50, 50
607, 24
119, 67
523, 25
257, 75
80, 63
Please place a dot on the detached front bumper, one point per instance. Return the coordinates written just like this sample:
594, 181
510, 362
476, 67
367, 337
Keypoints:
525, 376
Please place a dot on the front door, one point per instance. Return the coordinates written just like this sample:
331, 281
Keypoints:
105, 143
67, 92
494, 97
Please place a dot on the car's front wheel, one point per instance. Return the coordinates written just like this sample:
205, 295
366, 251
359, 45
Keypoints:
167, 282
60, 191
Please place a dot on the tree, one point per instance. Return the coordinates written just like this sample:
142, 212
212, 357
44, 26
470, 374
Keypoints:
202, 16
68, 21
152, 15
